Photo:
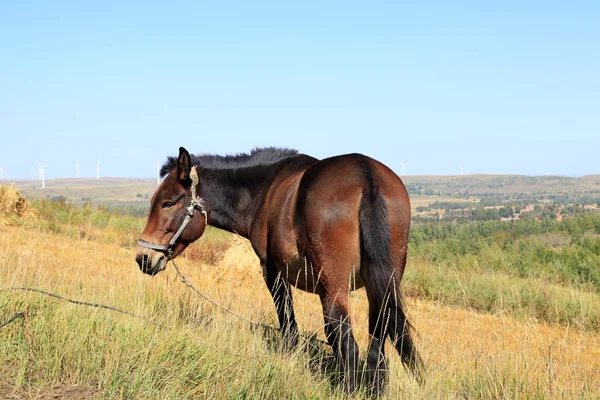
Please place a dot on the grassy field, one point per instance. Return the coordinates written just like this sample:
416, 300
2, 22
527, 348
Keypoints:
480, 331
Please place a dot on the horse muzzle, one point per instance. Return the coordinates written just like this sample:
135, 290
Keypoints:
150, 262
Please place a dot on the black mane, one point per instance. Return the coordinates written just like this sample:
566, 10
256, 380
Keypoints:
258, 156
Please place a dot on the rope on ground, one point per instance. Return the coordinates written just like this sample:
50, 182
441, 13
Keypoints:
183, 279
81, 303
14, 318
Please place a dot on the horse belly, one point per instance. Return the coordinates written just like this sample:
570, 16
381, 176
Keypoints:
303, 276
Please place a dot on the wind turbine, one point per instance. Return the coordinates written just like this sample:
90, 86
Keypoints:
463, 170
98, 169
157, 166
77, 166
42, 173
403, 166
1, 173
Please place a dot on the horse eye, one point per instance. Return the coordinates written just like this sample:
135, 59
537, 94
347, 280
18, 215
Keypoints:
168, 204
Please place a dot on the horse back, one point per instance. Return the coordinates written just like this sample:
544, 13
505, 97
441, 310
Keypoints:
335, 187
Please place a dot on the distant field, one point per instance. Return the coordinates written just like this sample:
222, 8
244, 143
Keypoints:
107, 191
487, 197
424, 201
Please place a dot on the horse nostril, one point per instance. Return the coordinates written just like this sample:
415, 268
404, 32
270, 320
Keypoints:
143, 261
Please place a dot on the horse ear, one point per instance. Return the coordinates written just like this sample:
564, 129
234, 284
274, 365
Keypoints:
184, 166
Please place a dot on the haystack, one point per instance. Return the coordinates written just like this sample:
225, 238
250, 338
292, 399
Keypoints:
239, 265
12, 204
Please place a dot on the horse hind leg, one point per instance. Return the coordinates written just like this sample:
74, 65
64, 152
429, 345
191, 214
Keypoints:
381, 274
387, 318
339, 335
376, 368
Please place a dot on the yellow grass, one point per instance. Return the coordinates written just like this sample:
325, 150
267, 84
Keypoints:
468, 355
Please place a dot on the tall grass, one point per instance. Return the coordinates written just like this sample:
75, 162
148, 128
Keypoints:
525, 248
104, 225
494, 292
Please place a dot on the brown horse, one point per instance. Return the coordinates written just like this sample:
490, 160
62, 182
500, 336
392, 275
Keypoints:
327, 227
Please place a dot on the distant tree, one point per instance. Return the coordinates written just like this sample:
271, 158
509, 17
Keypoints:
58, 199
506, 212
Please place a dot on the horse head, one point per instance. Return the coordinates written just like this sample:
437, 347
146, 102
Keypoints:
176, 218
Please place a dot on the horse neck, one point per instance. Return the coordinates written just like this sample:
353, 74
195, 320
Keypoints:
232, 195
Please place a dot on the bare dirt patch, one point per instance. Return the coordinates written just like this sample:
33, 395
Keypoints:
10, 391
59, 391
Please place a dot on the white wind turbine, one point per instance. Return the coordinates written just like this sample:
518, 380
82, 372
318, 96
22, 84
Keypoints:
1, 173
403, 166
463, 170
42, 173
78, 166
157, 166
98, 169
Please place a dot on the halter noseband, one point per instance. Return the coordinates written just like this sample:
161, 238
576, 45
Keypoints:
196, 203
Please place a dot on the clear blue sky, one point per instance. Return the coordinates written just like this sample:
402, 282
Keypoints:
500, 87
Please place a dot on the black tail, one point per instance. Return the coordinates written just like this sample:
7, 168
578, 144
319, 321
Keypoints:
383, 281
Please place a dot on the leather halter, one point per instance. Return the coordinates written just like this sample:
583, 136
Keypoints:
196, 204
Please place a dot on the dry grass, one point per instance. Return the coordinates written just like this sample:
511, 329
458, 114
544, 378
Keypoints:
208, 353
12, 204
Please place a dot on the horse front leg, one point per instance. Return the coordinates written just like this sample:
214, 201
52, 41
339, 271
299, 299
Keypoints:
282, 297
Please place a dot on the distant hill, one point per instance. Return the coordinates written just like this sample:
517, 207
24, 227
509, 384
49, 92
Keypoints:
107, 191
504, 184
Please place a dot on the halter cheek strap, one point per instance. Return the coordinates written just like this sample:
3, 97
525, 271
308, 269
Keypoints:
196, 204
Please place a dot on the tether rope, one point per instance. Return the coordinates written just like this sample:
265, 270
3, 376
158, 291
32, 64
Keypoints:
78, 302
184, 279
13, 318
